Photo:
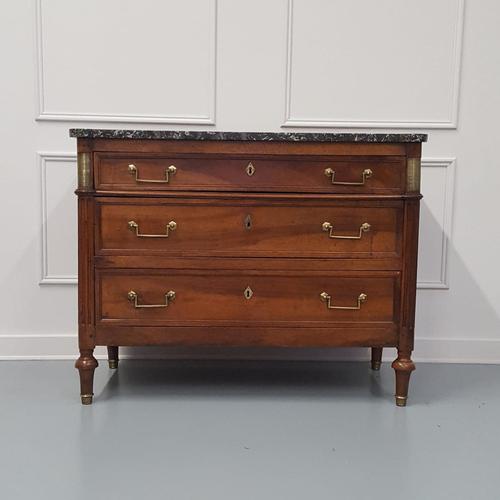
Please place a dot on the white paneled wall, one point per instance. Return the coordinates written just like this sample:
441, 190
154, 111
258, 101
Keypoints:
252, 65
149, 61
438, 183
365, 50
59, 217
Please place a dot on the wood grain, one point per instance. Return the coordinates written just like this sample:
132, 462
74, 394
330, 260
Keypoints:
205, 298
216, 173
213, 255
250, 230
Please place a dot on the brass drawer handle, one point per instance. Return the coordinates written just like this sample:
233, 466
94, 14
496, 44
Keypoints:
367, 173
168, 172
171, 226
364, 228
327, 298
133, 297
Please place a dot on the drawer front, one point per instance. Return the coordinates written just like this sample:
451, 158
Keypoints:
361, 175
247, 229
182, 298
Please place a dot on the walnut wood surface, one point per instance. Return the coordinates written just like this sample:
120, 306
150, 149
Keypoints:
312, 149
212, 255
249, 229
211, 172
290, 298
241, 336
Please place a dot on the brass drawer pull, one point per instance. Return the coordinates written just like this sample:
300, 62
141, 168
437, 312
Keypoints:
367, 173
171, 226
327, 298
328, 226
133, 297
168, 172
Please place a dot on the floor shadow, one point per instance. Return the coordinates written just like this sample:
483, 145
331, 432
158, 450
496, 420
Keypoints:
262, 379
313, 380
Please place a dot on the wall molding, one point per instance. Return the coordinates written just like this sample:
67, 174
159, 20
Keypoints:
427, 350
46, 277
44, 114
451, 123
449, 193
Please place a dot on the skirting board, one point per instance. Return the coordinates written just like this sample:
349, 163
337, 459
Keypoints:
54, 347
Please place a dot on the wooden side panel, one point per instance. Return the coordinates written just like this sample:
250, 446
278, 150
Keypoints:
409, 288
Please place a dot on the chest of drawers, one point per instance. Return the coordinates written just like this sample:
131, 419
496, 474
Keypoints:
240, 239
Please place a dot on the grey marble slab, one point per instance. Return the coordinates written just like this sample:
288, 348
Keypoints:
193, 135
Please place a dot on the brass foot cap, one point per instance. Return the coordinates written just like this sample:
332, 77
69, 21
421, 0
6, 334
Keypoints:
401, 400
87, 399
376, 365
113, 364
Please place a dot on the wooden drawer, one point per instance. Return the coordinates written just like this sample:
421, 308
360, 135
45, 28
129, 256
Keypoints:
249, 227
246, 298
336, 174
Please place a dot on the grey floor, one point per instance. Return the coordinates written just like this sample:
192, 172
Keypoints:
248, 430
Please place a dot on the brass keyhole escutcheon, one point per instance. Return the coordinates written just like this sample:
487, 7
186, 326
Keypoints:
248, 293
250, 169
248, 222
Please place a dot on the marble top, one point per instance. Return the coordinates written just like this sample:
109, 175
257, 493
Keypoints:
194, 135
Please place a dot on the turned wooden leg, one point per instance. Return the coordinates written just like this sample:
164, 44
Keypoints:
403, 366
376, 358
113, 356
86, 364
